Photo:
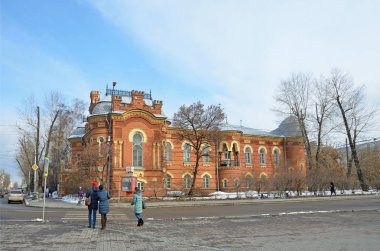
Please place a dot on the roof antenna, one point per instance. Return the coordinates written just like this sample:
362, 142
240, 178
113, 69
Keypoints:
226, 120
150, 93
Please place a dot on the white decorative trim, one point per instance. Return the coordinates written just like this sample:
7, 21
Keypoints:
206, 173
134, 131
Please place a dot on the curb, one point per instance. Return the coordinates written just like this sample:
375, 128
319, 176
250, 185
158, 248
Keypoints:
167, 204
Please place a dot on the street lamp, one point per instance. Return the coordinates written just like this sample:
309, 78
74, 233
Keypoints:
109, 139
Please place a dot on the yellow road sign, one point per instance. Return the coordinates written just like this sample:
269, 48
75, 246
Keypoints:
35, 167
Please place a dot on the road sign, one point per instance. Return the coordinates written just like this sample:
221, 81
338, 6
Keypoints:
35, 167
46, 167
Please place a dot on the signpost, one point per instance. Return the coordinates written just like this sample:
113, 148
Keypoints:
46, 172
35, 167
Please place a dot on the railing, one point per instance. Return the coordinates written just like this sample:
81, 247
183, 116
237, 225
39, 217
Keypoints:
229, 163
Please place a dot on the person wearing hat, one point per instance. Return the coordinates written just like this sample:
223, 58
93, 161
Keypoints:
92, 194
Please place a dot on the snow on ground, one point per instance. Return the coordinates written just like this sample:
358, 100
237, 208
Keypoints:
175, 195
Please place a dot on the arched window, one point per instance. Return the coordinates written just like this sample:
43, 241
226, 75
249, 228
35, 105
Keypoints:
186, 153
206, 181
276, 156
248, 155
137, 149
168, 152
262, 156
187, 181
168, 182
206, 154
225, 183
249, 181
101, 145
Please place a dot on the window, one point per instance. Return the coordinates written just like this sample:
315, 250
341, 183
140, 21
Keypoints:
186, 153
225, 183
236, 183
168, 152
140, 185
77, 155
187, 181
206, 181
168, 182
227, 157
248, 155
276, 157
206, 154
137, 149
249, 181
101, 145
262, 156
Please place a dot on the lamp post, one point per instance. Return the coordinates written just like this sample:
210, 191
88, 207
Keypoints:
109, 140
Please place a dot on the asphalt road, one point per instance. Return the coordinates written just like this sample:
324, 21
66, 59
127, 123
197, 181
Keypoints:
256, 208
307, 224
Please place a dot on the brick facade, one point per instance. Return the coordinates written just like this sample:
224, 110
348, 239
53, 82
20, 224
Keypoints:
136, 113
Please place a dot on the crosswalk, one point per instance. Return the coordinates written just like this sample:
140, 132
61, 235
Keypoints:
83, 216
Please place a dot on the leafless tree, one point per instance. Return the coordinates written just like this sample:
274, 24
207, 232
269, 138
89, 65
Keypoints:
323, 110
355, 117
57, 121
293, 99
194, 124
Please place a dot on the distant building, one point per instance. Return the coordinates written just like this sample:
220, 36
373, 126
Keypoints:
147, 153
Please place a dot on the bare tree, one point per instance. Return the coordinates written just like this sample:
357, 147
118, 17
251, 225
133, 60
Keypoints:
293, 98
323, 111
195, 124
355, 117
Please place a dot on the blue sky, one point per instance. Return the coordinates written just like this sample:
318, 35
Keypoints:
232, 53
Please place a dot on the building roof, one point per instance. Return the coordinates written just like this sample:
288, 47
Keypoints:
245, 130
104, 106
289, 127
78, 132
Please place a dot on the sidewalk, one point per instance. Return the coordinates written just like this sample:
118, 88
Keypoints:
350, 231
57, 203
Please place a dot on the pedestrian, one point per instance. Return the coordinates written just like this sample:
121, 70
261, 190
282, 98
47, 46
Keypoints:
103, 205
139, 206
80, 196
92, 194
332, 189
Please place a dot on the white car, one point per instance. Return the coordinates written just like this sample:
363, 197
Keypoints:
15, 195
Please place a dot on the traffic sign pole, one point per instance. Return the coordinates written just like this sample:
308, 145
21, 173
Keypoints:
46, 172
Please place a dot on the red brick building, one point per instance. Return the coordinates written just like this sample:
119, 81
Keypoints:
146, 152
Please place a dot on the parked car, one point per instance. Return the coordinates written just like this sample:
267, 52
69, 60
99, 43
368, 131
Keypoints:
15, 196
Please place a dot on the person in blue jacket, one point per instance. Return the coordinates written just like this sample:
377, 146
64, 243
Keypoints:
138, 202
103, 205
93, 207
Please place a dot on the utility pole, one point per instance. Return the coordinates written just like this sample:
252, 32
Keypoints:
36, 151
109, 133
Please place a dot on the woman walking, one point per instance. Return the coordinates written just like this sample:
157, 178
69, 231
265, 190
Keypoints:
138, 202
103, 205
92, 194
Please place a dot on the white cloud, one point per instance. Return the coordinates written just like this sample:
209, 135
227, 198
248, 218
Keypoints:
242, 49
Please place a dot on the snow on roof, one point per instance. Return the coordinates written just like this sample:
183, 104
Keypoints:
245, 130
78, 132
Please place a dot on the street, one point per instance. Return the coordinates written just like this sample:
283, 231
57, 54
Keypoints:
307, 224
238, 208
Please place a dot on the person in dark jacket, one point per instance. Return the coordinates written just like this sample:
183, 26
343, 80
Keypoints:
103, 205
332, 189
93, 207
